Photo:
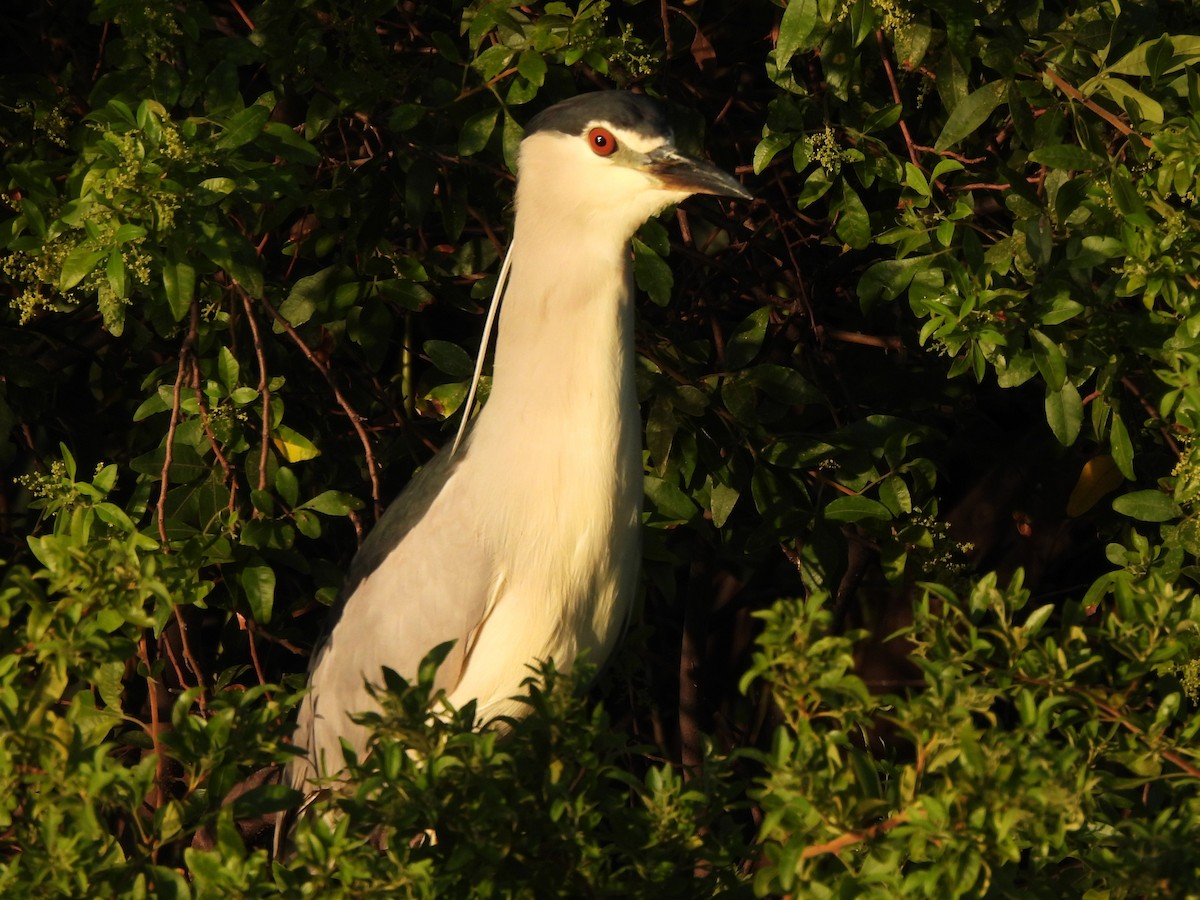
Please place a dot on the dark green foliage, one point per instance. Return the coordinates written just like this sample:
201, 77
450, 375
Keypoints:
940, 382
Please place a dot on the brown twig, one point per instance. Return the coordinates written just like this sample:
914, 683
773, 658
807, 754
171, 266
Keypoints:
850, 838
1116, 715
666, 27
160, 765
205, 421
190, 659
1073, 92
100, 53
253, 628
866, 340
189, 341
1153, 413
258, 669
896, 98
965, 160
242, 14
264, 392
355, 419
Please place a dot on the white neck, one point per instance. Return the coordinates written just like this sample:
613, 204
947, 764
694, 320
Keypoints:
565, 342
561, 425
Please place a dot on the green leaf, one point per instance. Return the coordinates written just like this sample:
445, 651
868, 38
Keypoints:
476, 131
652, 273
1066, 156
1121, 446
77, 265
745, 342
1185, 48
970, 113
212, 190
1147, 506
532, 67
1139, 106
449, 358
151, 405
889, 278
228, 369
815, 187
287, 485
259, 584
307, 295
265, 799
668, 500
797, 24
114, 271
853, 225
769, 147
783, 384
855, 508
179, 282
287, 144
127, 233
243, 128
332, 503
293, 446
1064, 310
1064, 413
1049, 359
916, 179
724, 498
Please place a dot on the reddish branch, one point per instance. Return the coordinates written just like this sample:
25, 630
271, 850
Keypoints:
867, 340
263, 391
185, 349
355, 419
189, 658
891, 76
1153, 413
850, 838
1073, 92
160, 763
202, 405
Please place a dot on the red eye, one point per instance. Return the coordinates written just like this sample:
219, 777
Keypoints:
602, 141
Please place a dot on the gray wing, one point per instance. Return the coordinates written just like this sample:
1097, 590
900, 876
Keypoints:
421, 578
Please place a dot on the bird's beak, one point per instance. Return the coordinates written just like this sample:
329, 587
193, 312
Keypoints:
680, 173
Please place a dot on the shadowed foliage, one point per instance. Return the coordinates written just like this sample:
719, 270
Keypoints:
918, 613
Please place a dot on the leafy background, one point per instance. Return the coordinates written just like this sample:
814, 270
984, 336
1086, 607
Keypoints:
923, 501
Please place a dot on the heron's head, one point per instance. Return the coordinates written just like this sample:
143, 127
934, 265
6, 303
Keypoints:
608, 159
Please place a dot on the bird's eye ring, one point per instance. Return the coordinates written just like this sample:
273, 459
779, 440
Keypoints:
602, 142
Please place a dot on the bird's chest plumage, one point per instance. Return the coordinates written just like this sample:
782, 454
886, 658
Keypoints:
564, 529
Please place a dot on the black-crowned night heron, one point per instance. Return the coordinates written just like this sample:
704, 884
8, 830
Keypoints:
522, 544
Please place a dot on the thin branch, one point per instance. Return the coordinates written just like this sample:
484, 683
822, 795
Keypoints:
1073, 92
263, 391
100, 53
205, 420
253, 628
160, 765
866, 340
965, 160
666, 27
190, 658
1153, 413
242, 14
168, 454
896, 98
355, 419
850, 838
258, 669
